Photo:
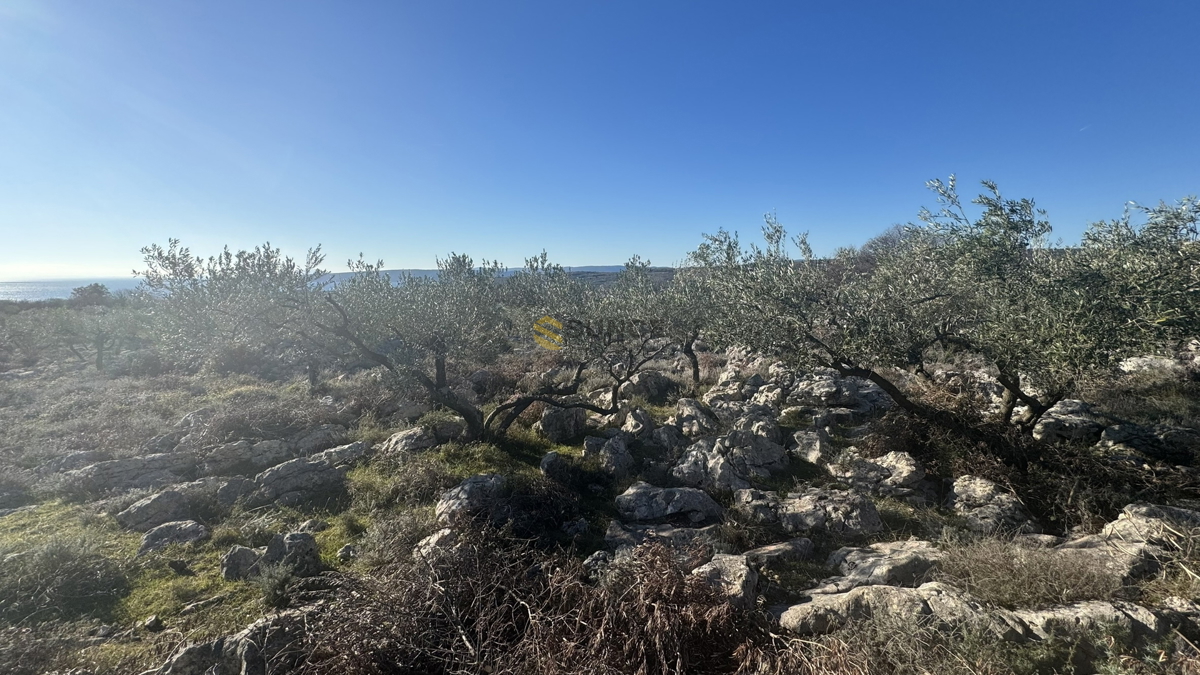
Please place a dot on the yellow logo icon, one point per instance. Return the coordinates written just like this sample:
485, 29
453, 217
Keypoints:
548, 338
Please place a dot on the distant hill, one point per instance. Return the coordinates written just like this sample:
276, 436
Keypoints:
595, 274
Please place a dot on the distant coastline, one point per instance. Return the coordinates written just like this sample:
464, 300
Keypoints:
48, 289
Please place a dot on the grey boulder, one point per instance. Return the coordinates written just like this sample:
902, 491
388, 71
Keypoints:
643, 502
468, 498
835, 511
989, 509
732, 576
562, 424
148, 513
896, 563
178, 532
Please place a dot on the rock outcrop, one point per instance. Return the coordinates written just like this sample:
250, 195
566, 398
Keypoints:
988, 509
839, 512
643, 502
562, 424
469, 498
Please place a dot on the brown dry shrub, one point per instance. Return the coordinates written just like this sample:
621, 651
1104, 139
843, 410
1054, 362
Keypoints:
498, 607
390, 538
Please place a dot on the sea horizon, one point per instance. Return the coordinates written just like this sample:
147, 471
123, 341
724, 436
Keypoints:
50, 289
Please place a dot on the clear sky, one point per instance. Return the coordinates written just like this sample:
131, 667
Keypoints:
592, 129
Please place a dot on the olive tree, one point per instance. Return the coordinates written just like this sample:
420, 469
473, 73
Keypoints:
416, 327
1043, 318
248, 301
686, 305
781, 299
609, 331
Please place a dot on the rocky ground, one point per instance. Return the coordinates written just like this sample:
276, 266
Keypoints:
770, 488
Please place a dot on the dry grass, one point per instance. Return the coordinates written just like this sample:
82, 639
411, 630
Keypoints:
1004, 574
1150, 398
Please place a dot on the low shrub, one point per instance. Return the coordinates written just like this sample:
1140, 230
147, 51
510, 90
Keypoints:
62, 577
393, 481
50, 647
1007, 575
496, 606
273, 582
390, 539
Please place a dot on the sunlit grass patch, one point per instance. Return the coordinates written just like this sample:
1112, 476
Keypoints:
156, 589
60, 561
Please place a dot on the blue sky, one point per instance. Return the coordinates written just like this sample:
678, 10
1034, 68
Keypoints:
594, 130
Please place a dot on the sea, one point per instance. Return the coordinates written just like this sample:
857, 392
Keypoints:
59, 288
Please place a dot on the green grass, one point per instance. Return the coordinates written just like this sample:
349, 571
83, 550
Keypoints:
156, 589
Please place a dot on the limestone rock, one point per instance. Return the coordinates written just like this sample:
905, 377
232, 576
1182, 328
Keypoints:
793, 550
164, 507
620, 536
263, 647
239, 563
613, 454
1151, 364
638, 423
896, 474
301, 554
555, 466
669, 438
649, 384
1069, 420
813, 446
731, 462
733, 576
933, 601
1065, 620
905, 471
408, 441
244, 457
344, 455
178, 532
643, 502
693, 419
816, 509
988, 508
1129, 561
468, 498
692, 469
427, 548
896, 563
562, 424
1151, 524
770, 395
133, 472
319, 438
298, 479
